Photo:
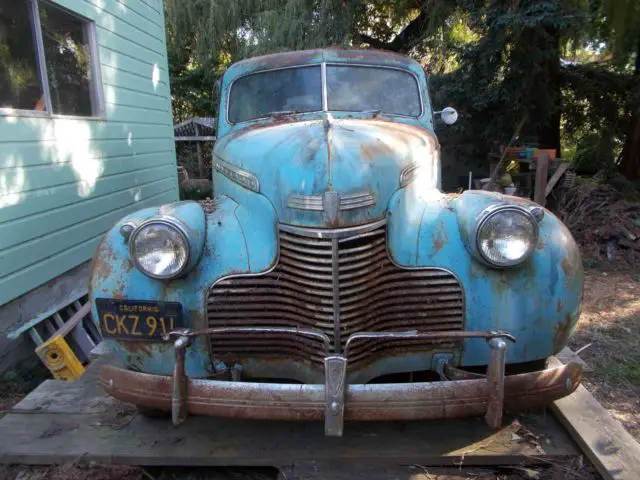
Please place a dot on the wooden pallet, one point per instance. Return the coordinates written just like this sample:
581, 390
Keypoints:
605, 442
75, 422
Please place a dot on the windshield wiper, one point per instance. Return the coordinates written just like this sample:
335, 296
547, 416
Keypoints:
374, 113
276, 113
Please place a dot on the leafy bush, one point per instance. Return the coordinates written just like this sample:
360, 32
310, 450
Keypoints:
594, 153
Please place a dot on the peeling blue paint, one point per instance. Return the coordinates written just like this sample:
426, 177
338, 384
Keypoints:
532, 301
538, 302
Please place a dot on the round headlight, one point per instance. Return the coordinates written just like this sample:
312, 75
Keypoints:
159, 249
507, 236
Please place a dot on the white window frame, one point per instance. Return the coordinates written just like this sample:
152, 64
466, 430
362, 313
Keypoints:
96, 88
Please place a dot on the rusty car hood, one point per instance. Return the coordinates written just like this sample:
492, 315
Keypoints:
297, 162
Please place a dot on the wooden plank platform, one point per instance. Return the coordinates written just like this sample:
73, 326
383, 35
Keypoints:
605, 442
75, 422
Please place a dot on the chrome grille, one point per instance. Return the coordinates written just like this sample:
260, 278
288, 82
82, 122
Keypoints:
372, 294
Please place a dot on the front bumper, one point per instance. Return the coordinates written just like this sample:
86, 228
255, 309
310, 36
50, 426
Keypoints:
459, 394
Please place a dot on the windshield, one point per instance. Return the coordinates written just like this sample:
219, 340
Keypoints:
368, 88
349, 88
287, 90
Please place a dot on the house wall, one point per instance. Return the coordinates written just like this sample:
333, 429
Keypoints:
65, 181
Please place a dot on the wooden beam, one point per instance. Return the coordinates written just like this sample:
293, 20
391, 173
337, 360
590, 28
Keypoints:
566, 356
555, 177
200, 166
611, 449
74, 321
628, 244
542, 170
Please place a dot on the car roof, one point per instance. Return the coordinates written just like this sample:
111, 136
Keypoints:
329, 55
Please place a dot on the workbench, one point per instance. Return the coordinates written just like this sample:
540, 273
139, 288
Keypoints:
533, 176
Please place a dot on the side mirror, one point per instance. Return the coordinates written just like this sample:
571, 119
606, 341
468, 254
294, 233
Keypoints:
449, 115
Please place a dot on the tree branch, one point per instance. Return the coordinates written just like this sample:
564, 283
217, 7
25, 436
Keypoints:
408, 36
404, 40
373, 42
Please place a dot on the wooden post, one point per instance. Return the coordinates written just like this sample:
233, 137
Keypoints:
542, 169
555, 177
200, 166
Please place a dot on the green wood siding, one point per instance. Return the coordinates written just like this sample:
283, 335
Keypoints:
65, 181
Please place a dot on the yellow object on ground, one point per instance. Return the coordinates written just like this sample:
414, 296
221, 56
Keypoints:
60, 359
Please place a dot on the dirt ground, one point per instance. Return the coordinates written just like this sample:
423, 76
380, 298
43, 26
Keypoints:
609, 325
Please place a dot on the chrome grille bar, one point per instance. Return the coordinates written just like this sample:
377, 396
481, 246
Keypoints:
339, 282
348, 201
335, 281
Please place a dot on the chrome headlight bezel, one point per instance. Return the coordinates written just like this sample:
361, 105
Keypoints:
170, 223
490, 213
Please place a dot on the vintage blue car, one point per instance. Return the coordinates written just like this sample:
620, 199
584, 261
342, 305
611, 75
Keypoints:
330, 278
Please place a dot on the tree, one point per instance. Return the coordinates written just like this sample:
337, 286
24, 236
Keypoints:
630, 156
563, 65
511, 72
606, 86
206, 36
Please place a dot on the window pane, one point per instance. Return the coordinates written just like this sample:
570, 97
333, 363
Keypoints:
19, 76
366, 88
66, 53
292, 89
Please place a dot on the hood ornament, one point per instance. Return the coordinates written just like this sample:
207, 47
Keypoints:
331, 205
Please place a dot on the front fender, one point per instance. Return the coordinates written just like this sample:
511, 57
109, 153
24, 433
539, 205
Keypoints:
238, 239
538, 302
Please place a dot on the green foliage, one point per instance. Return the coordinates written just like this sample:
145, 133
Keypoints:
621, 368
559, 64
205, 36
509, 73
594, 153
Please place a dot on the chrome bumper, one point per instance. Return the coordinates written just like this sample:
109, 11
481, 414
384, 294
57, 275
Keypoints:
335, 401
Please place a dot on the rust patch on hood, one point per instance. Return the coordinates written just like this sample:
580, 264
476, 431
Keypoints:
118, 293
368, 151
100, 266
567, 268
440, 238
563, 330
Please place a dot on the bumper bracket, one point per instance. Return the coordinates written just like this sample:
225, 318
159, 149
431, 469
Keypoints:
335, 387
335, 368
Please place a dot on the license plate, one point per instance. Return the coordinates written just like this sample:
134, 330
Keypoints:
138, 319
